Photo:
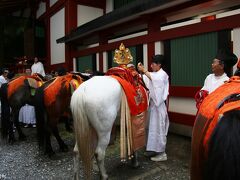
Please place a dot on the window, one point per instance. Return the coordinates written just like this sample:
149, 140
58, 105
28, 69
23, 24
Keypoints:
86, 63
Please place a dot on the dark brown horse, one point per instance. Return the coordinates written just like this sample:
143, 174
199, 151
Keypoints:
14, 95
52, 101
216, 135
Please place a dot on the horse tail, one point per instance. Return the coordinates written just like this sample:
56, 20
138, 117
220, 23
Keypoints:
224, 146
5, 112
40, 115
82, 129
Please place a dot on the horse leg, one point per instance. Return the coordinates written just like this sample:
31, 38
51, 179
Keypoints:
113, 135
21, 135
68, 124
7, 123
76, 162
134, 160
61, 143
11, 137
47, 143
100, 154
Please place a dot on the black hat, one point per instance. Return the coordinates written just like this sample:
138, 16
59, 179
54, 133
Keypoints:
227, 57
158, 59
4, 70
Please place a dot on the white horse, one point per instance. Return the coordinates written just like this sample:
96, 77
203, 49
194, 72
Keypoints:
95, 105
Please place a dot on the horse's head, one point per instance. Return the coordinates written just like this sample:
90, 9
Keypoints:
215, 143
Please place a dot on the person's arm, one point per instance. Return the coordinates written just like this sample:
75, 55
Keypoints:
147, 74
141, 69
32, 70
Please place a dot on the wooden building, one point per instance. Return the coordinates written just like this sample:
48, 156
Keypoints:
82, 34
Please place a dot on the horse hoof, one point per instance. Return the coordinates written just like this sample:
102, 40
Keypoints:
104, 177
135, 165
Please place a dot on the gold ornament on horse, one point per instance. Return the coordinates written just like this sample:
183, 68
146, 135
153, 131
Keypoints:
122, 56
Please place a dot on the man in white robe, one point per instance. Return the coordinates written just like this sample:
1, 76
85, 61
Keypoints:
37, 67
3, 77
27, 112
223, 60
158, 85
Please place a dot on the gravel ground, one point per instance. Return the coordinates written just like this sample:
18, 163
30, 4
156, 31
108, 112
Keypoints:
23, 161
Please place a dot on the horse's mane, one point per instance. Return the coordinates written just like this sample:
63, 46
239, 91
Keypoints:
86, 76
223, 161
83, 76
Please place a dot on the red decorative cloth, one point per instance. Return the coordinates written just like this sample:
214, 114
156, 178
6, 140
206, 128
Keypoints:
211, 109
52, 91
133, 87
199, 97
16, 83
136, 96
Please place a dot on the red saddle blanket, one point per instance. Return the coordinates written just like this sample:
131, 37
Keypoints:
137, 99
133, 87
212, 108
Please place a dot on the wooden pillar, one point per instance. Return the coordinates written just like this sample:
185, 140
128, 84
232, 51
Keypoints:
70, 24
154, 22
102, 40
48, 46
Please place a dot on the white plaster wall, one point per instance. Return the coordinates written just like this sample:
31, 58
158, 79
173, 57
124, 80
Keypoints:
92, 45
145, 55
52, 2
57, 30
74, 64
97, 61
159, 47
105, 62
228, 13
41, 9
236, 44
194, 21
182, 105
109, 6
87, 13
180, 129
128, 36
